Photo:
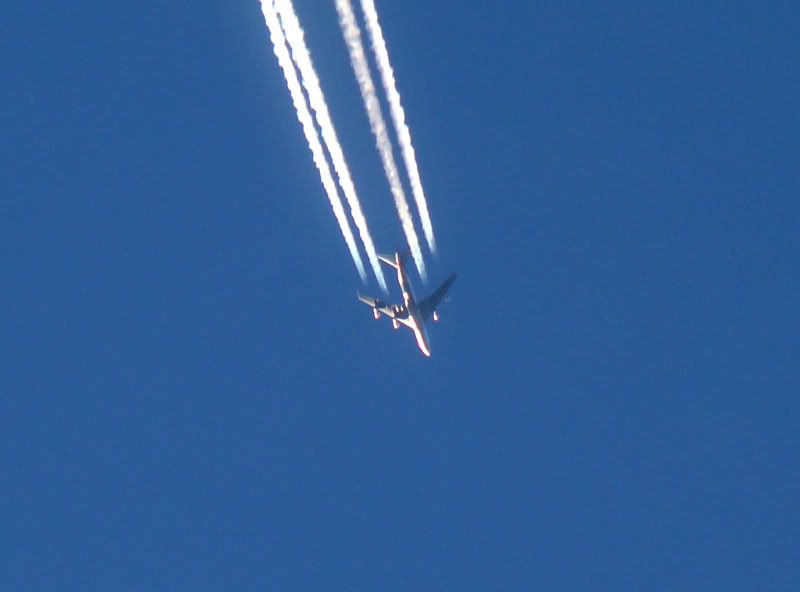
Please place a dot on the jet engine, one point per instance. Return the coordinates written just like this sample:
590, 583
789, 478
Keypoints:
376, 313
395, 324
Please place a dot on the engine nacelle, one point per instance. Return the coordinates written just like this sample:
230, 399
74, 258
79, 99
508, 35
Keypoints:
435, 316
376, 313
395, 324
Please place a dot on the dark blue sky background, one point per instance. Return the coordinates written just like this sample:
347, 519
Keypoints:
191, 397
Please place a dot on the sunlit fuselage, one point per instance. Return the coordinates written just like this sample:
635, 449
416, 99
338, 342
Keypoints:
414, 320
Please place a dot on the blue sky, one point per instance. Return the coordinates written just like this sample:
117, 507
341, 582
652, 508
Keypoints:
191, 397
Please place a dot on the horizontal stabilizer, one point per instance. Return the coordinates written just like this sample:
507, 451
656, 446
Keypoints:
388, 260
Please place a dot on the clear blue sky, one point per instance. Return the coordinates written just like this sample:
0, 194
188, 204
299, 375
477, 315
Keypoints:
192, 399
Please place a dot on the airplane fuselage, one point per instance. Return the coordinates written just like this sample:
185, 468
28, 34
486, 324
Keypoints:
415, 320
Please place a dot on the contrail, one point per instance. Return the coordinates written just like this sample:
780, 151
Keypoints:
310, 131
398, 116
302, 57
352, 36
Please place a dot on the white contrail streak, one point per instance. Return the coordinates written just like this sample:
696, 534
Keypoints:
352, 36
302, 57
398, 116
310, 131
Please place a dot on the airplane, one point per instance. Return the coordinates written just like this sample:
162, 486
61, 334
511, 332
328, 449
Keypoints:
411, 313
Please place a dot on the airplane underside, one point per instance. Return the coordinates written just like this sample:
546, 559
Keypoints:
412, 314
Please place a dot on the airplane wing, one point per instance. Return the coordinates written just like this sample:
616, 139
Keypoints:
393, 311
430, 304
